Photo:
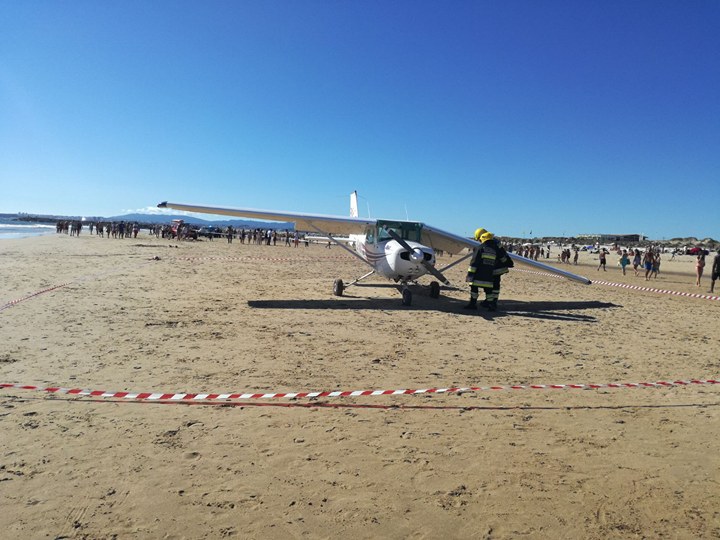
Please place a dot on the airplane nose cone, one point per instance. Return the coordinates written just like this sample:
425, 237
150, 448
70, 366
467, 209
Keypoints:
417, 255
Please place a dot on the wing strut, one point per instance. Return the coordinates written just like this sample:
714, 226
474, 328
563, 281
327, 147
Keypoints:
458, 261
350, 251
370, 273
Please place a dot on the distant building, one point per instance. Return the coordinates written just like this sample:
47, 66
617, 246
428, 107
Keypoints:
606, 238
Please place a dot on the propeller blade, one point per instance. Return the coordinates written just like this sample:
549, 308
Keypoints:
429, 267
435, 272
399, 239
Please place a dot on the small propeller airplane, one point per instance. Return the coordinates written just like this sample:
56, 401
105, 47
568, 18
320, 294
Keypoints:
401, 251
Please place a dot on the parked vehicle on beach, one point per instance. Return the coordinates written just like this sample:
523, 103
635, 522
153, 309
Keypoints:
210, 232
183, 231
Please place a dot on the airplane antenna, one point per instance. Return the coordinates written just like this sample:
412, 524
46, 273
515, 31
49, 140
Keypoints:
367, 202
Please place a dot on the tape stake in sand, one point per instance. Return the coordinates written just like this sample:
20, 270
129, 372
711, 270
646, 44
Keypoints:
160, 396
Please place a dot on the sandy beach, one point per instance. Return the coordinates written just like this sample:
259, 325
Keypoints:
152, 315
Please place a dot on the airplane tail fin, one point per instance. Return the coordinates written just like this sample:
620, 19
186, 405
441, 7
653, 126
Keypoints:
354, 205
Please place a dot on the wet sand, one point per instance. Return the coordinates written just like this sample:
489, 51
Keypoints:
212, 317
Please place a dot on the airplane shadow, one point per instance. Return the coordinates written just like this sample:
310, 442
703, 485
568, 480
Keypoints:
509, 308
548, 309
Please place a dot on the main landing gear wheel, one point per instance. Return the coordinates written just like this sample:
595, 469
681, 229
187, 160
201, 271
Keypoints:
406, 297
434, 289
338, 287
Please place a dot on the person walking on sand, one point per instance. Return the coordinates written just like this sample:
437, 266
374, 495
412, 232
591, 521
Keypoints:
700, 266
603, 261
715, 270
637, 258
624, 260
490, 262
648, 262
655, 266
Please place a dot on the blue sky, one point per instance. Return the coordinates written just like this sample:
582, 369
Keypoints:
556, 117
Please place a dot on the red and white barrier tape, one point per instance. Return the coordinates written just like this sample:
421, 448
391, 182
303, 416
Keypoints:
633, 287
12, 303
661, 291
270, 259
347, 393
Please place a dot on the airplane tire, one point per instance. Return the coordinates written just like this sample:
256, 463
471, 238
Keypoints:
406, 297
338, 287
434, 289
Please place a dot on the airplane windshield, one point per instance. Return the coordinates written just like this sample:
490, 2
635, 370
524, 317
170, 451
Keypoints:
406, 230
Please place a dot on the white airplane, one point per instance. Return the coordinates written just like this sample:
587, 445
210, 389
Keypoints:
402, 251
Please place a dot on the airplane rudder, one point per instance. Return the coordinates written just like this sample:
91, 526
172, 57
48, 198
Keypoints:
353, 204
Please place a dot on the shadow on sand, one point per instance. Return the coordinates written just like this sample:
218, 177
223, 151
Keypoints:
507, 308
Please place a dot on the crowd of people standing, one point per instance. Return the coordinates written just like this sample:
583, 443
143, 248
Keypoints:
119, 229
261, 237
646, 262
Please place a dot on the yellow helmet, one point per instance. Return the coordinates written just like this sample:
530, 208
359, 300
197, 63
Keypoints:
479, 232
486, 236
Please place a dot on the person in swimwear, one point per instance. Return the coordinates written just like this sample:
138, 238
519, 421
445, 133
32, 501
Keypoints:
699, 266
637, 258
655, 265
648, 259
624, 261
603, 260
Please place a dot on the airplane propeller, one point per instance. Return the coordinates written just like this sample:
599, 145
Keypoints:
417, 255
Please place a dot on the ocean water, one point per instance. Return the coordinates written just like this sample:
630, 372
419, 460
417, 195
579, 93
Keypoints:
9, 228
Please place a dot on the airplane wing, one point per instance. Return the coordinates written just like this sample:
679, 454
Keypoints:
449, 242
303, 222
452, 243
431, 237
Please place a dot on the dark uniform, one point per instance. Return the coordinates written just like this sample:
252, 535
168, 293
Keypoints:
489, 263
715, 271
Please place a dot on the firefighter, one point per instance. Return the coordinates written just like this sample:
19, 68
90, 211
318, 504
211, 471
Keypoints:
489, 263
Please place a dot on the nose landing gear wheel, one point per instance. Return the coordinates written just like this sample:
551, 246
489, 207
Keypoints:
434, 289
338, 287
406, 297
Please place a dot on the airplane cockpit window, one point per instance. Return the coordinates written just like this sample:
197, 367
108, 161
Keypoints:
370, 235
405, 229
